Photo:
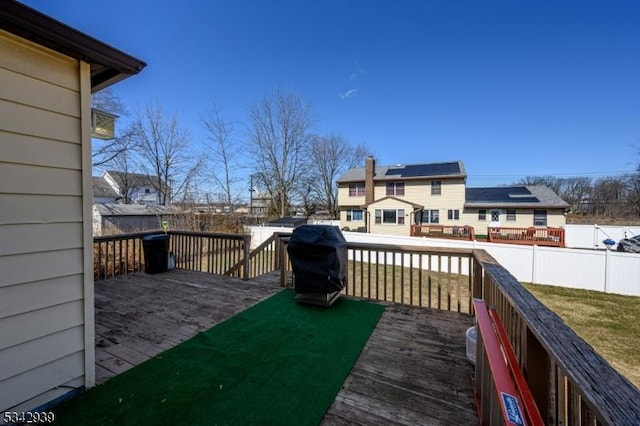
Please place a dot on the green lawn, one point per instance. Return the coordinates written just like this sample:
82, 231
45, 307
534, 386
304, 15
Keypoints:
610, 323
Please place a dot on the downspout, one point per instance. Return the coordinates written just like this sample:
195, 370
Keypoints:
87, 227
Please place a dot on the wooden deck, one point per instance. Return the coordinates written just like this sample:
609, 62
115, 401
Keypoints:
412, 370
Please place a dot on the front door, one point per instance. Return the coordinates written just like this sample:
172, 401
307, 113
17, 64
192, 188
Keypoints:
494, 219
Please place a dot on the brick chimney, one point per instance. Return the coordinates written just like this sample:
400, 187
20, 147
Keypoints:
369, 172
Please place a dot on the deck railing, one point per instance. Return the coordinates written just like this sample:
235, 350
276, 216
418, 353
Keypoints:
570, 383
417, 276
503, 395
117, 255
262, 260
465, 232
215, 253
554, 237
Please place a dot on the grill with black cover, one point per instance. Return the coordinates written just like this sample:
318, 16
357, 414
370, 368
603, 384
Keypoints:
318, 255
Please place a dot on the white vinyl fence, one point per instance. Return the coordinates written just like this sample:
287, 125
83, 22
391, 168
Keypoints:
592, 236
601, 270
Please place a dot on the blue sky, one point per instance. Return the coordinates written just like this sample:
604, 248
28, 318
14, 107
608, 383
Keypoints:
512, 88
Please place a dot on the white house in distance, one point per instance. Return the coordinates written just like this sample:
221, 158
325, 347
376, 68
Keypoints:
390, 199
103, 192
48, 71
134, 188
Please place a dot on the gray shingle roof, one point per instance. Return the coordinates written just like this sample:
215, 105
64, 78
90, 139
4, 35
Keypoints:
134, 210
133, 179
514, 196
408, 171
102, 189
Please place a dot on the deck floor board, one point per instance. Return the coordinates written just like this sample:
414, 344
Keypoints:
413, 369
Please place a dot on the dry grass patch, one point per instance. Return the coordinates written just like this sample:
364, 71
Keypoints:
608, 322
411, 286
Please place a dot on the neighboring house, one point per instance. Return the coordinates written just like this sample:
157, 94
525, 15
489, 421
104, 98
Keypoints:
514, 207
389, 199
109, 219
48, 72
103, 192
136, 188
259, 204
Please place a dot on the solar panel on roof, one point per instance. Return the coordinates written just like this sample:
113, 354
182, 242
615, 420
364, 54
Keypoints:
518, 194
419, 170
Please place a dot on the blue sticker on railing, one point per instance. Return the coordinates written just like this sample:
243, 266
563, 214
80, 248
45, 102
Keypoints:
512, 409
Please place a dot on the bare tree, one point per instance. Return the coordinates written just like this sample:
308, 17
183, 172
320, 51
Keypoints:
165, 153
551, 182
104, 152
223, 152
608, 196
633, 181
125, 163
278, 143
308, 196
575, 190
331, 156
633, 195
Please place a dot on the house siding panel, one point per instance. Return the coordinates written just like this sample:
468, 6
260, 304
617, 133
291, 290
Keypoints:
21, 328
388, 228
42, 379
27, 208
37, 93
27, 58
26, 179
25, 268
42, 197
345, 200
19, 359
39, 237
23, 149
36, 295
26, 120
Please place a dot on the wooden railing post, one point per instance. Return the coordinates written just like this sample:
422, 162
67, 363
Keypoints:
282, 263
246, 241
536, 368
569, 381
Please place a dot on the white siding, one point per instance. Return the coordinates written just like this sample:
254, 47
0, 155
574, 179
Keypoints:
524, 219
391, 229
416, 192
43, 164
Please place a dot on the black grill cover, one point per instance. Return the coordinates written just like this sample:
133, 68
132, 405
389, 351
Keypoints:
318, 256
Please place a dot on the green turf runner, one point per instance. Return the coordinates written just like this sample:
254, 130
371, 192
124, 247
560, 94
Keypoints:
277, 362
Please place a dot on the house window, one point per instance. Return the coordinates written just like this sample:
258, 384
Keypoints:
430, 216
356, 189
482, 215
495, 215
436, 187
147, 191
395, 188
355, 215
390, 216
540, 218
511, 215
453, 214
